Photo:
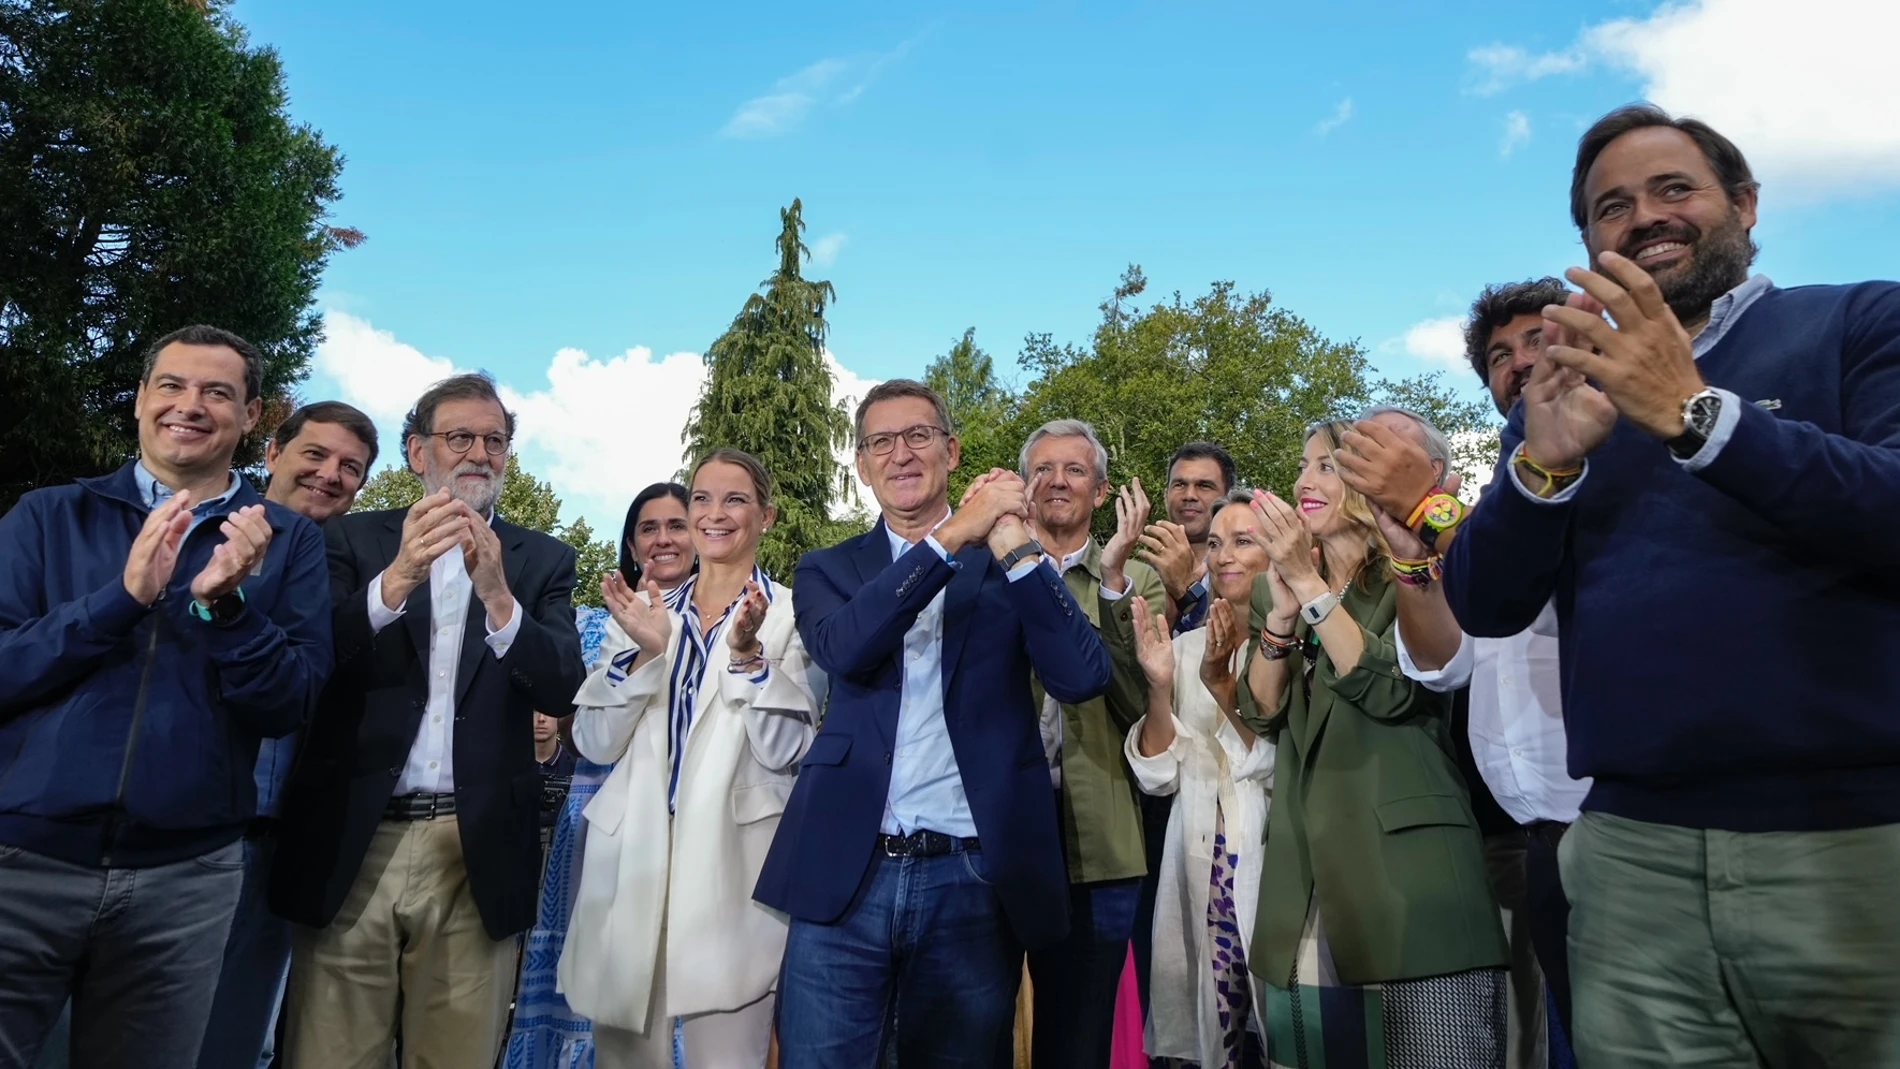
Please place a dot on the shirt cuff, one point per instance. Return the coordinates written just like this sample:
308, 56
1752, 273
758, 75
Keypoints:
380, 615
1557, 498
1128, 584
1023, 568
499, 641
1456, 672
931, 541
1725, 423
758, 680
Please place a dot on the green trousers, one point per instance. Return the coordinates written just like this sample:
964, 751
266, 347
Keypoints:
1708, 948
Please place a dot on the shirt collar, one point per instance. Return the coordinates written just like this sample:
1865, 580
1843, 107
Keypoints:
156, 493
898, 546
1727, 309
1088, 558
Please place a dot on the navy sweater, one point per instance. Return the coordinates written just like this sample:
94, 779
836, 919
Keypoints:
1730, 637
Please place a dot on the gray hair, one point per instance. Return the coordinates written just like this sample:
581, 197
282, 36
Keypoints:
1437, 446
1239, 495
1065, 428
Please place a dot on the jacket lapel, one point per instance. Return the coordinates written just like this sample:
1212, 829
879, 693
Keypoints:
418, 611
514, 557
873, 554
959, 608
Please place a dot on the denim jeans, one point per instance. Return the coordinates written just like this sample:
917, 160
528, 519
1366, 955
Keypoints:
923, 966
1076, 980
243, 1026
137, 951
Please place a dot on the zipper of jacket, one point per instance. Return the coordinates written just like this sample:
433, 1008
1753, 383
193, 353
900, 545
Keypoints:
132, 738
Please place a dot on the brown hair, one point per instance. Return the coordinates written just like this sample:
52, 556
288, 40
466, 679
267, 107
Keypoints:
333, 412
474, 386
892, 390
200, 334
1726, 160
739, 458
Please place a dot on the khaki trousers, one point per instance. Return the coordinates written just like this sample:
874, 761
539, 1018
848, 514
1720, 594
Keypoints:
408, 948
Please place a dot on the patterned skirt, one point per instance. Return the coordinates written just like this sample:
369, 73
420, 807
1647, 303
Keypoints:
1233, 993
1441, 1022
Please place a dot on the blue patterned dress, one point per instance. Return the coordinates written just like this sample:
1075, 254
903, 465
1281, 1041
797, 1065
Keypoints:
547, 1034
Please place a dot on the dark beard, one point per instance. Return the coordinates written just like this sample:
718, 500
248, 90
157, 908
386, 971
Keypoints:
1718, 262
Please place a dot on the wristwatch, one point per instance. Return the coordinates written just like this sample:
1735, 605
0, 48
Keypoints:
1031, 548
1699, 415
1438, 513
1319, 608
222, 611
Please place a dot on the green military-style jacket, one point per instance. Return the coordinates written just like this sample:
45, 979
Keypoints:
1101, 816
1370, 816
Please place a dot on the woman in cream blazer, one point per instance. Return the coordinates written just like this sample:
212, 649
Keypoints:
704, 700
1192, 745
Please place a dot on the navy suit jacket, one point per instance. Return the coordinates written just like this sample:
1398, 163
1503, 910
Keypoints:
853, 606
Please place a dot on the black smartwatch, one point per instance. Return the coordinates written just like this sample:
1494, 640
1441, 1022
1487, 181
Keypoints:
1031, 548
222, 611
1699, 415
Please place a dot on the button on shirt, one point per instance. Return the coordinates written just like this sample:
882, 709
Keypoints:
1517, 724
431, 766
926, 789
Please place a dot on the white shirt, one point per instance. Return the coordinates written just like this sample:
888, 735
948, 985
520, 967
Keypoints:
431, 766
1517, 721
1051, 721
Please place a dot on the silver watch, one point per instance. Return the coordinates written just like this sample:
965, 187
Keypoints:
1319, 608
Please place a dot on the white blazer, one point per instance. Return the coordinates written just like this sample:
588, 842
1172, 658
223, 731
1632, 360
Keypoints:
1207, 762
691, 876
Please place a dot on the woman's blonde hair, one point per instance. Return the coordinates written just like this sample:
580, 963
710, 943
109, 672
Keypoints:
1354, 506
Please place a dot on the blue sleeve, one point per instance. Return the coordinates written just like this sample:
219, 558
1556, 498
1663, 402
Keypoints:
854, 634
48, 648
1839, 494
273, 660
1502, 568
1063, 647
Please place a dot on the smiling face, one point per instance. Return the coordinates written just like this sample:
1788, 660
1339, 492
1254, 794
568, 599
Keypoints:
1067, 489
1193, 486
662, 544
473, 477
1318, 493
1509, 357
1652, 196
191, 411
907, 479
724, 514
1235, 554
318, 472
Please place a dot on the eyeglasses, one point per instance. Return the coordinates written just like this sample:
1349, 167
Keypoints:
463, 441
917, 437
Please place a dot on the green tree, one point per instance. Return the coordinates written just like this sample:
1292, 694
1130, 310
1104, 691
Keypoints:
768, 391
150, 177
1225, 366
980, 410
525, 501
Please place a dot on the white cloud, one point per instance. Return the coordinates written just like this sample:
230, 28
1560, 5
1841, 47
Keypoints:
599, 429
1517, 133
1498, 67
824, 251
1807, 92
1341, 114
835, 81
1435, 341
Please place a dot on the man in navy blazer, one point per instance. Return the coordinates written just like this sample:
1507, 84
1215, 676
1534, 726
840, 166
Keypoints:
919, 856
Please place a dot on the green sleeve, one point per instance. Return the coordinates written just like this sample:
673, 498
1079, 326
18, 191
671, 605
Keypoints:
1127, 695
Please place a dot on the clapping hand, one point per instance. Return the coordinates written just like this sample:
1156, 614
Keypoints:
1285, 538
645, 620
1131, 515
246, 538
747, 617
1565, 417
1166, 547
481, 556
1390, 469
1154, 649
1224, 638
432, 527
148, 567
1645, 364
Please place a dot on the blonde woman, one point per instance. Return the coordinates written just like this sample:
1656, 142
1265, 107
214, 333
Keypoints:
1193, 745
703, 700
1376, 935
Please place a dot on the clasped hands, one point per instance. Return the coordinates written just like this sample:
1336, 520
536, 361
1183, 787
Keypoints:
432, 527
995, 510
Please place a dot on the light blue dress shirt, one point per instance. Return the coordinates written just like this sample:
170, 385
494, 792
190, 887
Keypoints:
926, 786
157, 493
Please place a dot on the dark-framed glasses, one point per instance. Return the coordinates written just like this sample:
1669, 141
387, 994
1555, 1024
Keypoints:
463, 441
918, 437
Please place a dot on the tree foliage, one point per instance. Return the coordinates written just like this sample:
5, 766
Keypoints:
525, 501
981, 407
768, 391
150, 177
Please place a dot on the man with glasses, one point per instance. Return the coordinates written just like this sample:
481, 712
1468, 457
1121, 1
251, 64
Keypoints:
919, 853
409, 837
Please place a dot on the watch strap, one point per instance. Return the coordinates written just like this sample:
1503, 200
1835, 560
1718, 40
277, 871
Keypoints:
1031, 548
222, 611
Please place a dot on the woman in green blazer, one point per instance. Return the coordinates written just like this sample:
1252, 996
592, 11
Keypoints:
1376, 928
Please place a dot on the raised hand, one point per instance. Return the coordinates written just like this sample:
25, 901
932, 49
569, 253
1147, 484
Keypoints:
432, 527
645, 620
1286, 604
246, 538
1165, 546
1565, 418
481, 555
1287, 542
1403, 542
1645, 364
154, 555
1154, 648
742, 635
1390, 469
1225, 636
991, 497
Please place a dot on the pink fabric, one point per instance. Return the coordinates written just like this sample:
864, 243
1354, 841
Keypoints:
1127, 1052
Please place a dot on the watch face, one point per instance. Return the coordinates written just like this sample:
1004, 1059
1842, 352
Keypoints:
1442, 511
1703, 410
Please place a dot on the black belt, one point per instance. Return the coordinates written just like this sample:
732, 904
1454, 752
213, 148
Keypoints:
260, 828
924, 844
419, 807
1547, 832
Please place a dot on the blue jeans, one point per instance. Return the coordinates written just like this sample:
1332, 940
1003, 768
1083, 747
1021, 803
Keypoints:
137, 951
1076, 980
924, 965
243, 1027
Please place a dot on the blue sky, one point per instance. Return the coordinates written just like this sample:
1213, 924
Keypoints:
578, 196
